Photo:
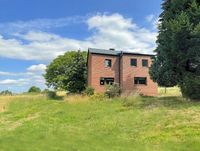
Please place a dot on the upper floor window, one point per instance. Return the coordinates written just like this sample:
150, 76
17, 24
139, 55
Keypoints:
140, 80
134, 62
145, 63
108, 62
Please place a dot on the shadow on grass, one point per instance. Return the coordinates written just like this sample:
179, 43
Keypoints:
171, 102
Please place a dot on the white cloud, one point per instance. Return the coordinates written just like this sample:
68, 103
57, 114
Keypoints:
39, 24
108, 31
5, 73
37, 36
2, 73
10, 82
40, 68
32, 76
115, 31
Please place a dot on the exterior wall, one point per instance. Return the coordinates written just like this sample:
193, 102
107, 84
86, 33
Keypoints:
97, 69
128, 73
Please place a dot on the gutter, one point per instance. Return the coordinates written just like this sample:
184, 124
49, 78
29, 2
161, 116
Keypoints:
120, 57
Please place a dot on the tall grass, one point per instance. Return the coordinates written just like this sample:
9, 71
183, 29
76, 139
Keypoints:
34, 123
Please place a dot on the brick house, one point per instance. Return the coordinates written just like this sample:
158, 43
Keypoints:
129, 70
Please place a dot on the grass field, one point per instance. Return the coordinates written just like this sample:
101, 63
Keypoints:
34, 123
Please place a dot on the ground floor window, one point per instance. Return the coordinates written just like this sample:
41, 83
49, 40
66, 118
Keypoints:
104, 81
140, 80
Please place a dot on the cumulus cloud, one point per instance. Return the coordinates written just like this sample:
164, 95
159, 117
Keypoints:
10, 82
40, 68
32, 76
108, 31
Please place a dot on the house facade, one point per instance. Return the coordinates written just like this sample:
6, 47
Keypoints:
129, 70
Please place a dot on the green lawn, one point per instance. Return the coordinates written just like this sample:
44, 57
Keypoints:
33, 123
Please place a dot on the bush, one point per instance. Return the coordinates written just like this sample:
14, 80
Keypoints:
34, 89
53, 95
112, 90
97, 97
45, 91
130, 101
89, 91
191, 88
6, 92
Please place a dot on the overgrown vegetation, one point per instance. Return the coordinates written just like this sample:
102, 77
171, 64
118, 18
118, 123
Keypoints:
112, 90
89, 91
32, 122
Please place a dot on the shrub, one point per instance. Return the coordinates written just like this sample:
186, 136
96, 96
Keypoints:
97, 97
191, 88
45, 91
130, 101
89, 91
51, 94
112, 90
34, 89
6, 92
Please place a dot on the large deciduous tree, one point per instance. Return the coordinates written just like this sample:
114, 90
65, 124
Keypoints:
178, 51
68, 72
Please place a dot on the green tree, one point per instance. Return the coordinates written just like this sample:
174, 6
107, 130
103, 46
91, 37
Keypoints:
6, 92
34, 89
178, 51
68, 72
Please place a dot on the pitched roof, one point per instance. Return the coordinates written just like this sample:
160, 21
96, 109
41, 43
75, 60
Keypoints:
115, 52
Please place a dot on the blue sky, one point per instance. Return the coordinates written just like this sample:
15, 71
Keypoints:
33, 32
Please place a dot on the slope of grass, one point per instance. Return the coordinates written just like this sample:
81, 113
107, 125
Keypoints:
33, 123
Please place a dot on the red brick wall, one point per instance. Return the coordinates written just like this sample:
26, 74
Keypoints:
97, 69
128, 73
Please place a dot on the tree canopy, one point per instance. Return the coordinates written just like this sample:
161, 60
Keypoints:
34, 89
6, 92
68, 72
178, 50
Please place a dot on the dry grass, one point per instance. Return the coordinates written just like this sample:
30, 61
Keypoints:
4, 101
173, 91
76, 98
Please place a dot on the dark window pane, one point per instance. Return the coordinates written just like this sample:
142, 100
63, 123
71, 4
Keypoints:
144, 62
104, 81
133, 62
108, 62
140, 80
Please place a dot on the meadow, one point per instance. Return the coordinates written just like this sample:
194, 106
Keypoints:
77, 123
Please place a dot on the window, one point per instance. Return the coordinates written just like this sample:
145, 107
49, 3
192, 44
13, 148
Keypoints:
140, 80
144, 62
134, 62
108, 62
104, 81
